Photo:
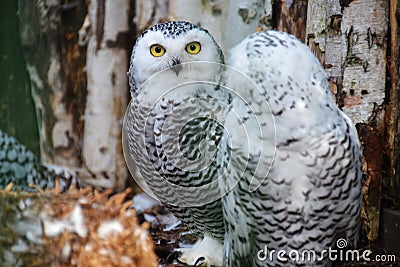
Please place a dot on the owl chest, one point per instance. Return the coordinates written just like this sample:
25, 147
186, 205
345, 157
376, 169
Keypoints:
181, 143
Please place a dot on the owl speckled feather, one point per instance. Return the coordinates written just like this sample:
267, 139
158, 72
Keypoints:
20, 166
292, 162
312, 194
160, 50
23, 169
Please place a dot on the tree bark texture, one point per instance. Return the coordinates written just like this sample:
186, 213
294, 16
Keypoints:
80, 92
291, 17
107, 25
54, 85
392, 183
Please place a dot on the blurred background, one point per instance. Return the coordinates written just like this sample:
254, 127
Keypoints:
17, 111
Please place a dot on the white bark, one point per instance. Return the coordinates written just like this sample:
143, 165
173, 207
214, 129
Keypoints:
207, 14
315, 29
228, 21
107, 90
244, 18
350, 42
63, 119
149, 13
364, 76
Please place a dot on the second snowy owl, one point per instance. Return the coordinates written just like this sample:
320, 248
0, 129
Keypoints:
254, 155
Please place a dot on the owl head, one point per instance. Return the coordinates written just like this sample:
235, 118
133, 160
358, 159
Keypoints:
167, 47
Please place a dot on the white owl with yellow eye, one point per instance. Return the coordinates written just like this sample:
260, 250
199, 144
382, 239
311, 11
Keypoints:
250, 155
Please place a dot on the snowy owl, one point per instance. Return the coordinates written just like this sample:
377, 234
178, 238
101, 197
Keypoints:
254, 155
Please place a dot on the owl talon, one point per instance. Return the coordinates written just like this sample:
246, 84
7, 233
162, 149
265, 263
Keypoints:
206, 252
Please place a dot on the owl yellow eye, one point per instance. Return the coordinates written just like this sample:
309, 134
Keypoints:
193, 48
157, 50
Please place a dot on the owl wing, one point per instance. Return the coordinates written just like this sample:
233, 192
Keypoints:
310, 194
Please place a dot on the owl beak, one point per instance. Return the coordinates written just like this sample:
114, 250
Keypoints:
176, 66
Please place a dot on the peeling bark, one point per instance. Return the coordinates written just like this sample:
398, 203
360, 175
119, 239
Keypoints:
45, 37
352, 51
70, 135
349, 41
244, 18
372, 167
107, 87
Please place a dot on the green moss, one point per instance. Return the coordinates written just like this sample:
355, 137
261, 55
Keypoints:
17, 113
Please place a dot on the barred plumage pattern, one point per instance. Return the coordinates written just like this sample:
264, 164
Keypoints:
201, 220
145, 123
26, 172
20, 166
311, 195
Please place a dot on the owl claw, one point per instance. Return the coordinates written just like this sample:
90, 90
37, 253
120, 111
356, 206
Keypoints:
206, 252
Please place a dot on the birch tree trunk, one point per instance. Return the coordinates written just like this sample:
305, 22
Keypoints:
42, 36
80, 94
106, 66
